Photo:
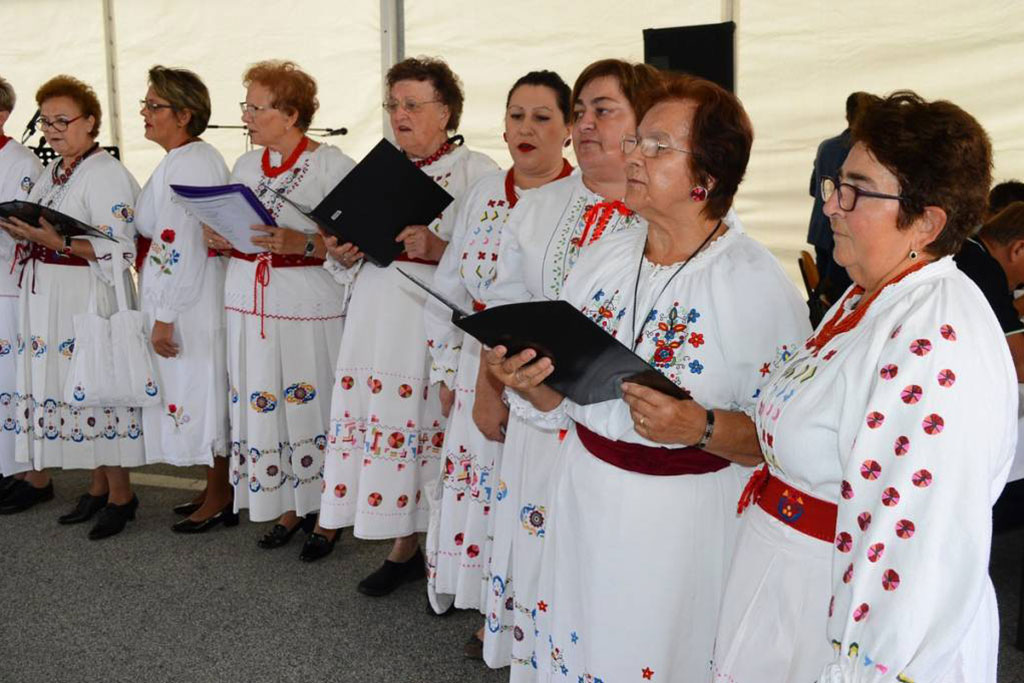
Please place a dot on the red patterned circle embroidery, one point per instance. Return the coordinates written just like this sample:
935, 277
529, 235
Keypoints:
846, 490
458, 538
946, 378
948, 332
875, 552
405, 391
890, 580
340, 490
848, 574
905, 528
896, 332
844, 542
473, 550
374, 499
902, 445
861, 613
864, 520
890, 497
403, 500
870, 470
396, 439
920, 347
933, 424
911, 394
889, 371
922, 479
347, 382
875, 419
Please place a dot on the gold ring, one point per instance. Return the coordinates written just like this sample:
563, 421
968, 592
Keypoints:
641, 420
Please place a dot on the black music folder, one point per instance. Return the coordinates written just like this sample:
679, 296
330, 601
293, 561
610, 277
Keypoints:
383, 194
30, 212
590, 364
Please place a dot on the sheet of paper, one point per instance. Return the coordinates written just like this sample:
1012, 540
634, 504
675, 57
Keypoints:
231, 210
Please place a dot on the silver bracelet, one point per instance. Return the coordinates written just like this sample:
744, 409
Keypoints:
709, 429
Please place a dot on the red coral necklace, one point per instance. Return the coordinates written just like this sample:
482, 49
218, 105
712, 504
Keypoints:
274, 171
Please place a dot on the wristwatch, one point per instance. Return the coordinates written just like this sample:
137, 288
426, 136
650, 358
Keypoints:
310, 245
66, 249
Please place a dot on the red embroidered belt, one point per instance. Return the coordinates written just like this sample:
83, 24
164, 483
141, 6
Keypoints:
24, 253
405, 258
265, 261
791, 506
142, 245
664, 462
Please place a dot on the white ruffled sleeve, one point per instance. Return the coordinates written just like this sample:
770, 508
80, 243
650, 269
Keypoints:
931, 451
177, 259
111, 195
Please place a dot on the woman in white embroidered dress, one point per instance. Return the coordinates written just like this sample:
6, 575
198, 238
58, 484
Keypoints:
888, 436
640, 535
544, 237
182, 290
386, 422
537, 113
58, 276
19, 169
284, 312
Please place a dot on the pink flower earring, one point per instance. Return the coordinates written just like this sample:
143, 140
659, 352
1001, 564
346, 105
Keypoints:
698, 193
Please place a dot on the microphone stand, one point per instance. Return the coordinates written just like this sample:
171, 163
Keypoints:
319, 132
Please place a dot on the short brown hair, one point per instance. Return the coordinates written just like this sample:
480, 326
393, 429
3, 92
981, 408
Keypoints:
720, 138
1007, 226
80, 93
292, 90
440, 75
185, 91
7, 96
637, 82
940, 155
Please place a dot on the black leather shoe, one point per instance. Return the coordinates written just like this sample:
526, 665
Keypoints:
317, 546
226, 516
24, 496
278, 536
88, 505
113, 519
6, 484
185, 509
391, 575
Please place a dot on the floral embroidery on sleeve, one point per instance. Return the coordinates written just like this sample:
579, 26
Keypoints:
162, 254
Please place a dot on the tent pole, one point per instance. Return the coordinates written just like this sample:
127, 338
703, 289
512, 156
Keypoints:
729, 11
113, 91
392, 47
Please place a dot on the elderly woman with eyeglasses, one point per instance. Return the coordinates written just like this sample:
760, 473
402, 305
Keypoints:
642, 518
863, 555
58, 278
284, 311
182, 290
387, 422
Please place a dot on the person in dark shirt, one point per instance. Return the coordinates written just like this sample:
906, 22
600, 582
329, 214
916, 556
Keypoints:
1004, 194
831, 155
994, 260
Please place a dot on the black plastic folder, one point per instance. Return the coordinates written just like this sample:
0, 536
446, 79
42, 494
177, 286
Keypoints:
30, 212
383, 194
590, 364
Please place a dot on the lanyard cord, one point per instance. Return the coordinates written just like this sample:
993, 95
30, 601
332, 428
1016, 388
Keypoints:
636, 285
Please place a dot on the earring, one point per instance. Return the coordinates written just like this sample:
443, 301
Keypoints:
698, 193
913, 255
567, 142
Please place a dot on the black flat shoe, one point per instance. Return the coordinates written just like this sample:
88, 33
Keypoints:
113, 519
24, 496
391, 575
317, 546
185, 509
6, 484
88, 505
226, 516
278, 536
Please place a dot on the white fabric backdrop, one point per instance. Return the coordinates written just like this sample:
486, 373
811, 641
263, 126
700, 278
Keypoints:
797, 60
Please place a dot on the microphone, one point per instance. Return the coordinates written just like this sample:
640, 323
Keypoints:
335, 131
30, 129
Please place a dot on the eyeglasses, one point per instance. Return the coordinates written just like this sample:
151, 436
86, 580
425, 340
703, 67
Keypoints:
410, 106
848, 194
649, 147
252, 108
59, 124
153, 107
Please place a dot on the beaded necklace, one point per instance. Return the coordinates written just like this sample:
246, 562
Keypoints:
274, 171
59, 178
449, 144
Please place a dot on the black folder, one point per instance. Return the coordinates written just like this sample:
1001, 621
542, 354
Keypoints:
383, 194
30, 212
590, 364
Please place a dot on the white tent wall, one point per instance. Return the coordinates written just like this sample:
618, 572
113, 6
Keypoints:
797, 60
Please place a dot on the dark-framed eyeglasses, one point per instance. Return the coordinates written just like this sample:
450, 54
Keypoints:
154, 107
649, 147
848, 194
59, 124
409, 105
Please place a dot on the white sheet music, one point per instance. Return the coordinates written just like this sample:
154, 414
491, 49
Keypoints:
230, 215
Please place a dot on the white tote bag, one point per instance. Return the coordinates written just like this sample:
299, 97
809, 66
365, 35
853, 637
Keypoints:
112, 364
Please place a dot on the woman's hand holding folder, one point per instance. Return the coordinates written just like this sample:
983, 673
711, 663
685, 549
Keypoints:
346, 254
523, 374
421, 243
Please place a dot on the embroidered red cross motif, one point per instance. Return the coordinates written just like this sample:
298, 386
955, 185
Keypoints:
765, 369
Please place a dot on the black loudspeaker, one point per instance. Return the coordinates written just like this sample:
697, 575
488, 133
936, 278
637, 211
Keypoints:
705, 51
